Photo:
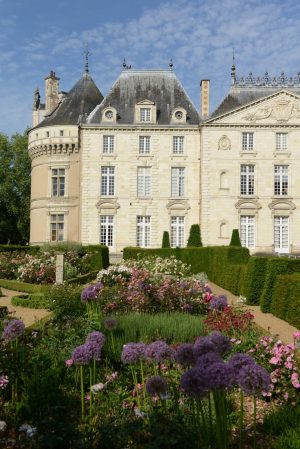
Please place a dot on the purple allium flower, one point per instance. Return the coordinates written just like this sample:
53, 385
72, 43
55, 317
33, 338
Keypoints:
208, 359
185, 354
195, 382
159, 351
253, 379
133, 352
239, 360
96, 337
110, 324
13, 330
91, 292
221, 375
218, 303
81, 355
221, 342
3, 382
156, 385
203, 345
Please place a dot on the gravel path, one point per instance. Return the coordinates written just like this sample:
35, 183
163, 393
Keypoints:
28, 316
266, 321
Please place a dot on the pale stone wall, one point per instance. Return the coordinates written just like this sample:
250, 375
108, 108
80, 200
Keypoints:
125, 205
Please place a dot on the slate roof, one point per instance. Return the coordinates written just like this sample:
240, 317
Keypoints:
78, 102
242, 95
159, 86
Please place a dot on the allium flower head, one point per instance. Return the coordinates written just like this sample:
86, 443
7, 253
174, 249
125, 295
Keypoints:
91, 292
133, 352
185, 354
221, 342
3, 382
13, 330
156, 386
159, 351
220, 375
208, 359
81, 355
218, 303
253, 379
96, 337
195, 383
110, 324
203, 345
239, 360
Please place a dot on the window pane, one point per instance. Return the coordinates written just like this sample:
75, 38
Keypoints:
247, 180
145, 114
247, 231
247, 141
108, 144
177, 231
281, 141
143, 230
177, 182
177, 144
144, 144
106, 230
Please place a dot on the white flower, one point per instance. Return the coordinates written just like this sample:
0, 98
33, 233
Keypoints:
28, 429
97, 387
3, 426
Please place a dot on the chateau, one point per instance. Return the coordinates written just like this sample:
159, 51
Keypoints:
121, 169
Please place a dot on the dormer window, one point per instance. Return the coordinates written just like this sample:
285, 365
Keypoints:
178, 116
145, 114
109, 115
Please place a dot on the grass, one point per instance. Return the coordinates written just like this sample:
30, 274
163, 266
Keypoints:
284, 424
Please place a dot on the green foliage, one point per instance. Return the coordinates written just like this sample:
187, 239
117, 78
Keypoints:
32, 301
24, 287
276, 266
22, 248
65, 301
166, 240
63, 247
235, 238
83, 279
15, 175
286, 299
195, 236
284, 423
254, 279
100, 256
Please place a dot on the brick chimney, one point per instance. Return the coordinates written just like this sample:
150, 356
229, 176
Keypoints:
204, 98
51, 92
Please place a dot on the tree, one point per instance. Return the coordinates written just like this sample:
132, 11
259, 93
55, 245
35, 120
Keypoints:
15, 170
166, 240
195, 236
235, 238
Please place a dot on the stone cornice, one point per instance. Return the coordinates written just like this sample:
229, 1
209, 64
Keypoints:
142, 129
50, 149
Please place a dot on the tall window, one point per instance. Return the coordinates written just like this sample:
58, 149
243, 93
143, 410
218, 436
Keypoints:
247, 141
177, 144
247, 231
144, 181
177, 231
281, 234
58, 181
281, 180
177, 181
108, 144
281, 141
145, 114
247, 179
144, 144
143, 230
56, 227
107, 181
106, 230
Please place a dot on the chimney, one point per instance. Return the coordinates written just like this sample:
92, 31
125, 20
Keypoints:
51, 92
204, 98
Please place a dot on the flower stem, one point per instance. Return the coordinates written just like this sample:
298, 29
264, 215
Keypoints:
254, 422
82, 391
241, 419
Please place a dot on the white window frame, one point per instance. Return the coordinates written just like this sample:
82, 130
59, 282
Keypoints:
177, 182
58, 182
247, 231
57, 227
144, 144
108, 186
143, 181
145, 114
108, 144
281, 141
107, 230
177, 231
281, 180
281, 240
247, 141
143, 231
247, 179
178, 144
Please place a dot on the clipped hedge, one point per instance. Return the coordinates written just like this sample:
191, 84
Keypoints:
83, 279
23, 248
100, 256
32, 301
274, 268
286, 299
254, 279
22, 286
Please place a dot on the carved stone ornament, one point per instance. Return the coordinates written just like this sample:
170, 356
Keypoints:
108, 205
224, 143
281, 110
178, 205
282, 205
248, 204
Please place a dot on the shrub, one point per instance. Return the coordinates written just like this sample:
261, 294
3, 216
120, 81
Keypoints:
286, 299
32, 301
169, 265
230, 321
195, 236
254, 279
65, 301
22, 286
166, 240
99, 256
83, 279
235, 238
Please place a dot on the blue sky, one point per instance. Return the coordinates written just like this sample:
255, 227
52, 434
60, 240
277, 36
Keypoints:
39, 36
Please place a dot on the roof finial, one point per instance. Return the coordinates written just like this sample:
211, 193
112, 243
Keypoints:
233, 75
171, 64
124, 64
86, 54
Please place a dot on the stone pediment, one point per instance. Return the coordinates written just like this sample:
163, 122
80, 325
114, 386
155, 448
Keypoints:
249, 204
282, 205
146, 102
108, 205
178, 205
277, 109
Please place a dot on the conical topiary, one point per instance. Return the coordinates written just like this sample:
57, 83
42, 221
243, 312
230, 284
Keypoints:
235, 238
166, 240
195, 236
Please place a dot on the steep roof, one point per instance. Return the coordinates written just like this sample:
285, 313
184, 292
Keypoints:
159, 86
79, 101
249, 89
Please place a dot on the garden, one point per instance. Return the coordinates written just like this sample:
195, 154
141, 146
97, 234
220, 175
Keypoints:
144, 356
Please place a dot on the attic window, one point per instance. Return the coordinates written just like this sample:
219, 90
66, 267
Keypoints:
145, 114
178, 115
109, 114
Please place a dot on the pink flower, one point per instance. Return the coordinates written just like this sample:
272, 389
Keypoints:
69, 362
295, 380
286, 396
296, 335
274, 361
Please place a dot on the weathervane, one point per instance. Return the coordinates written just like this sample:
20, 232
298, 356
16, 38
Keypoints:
86, 54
